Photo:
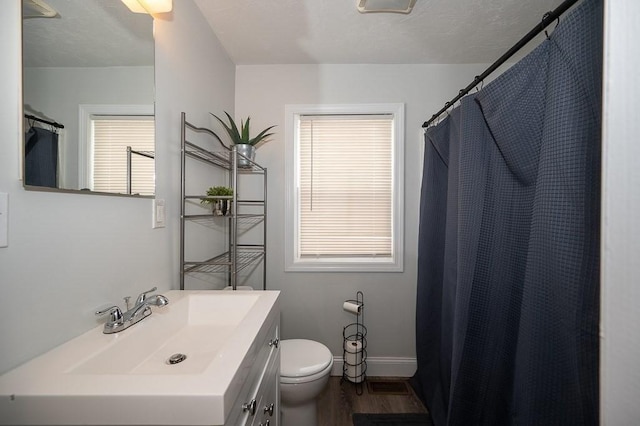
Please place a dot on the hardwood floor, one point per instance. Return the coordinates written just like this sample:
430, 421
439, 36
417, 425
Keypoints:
339, 401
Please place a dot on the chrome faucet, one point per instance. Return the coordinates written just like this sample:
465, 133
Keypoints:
119, 321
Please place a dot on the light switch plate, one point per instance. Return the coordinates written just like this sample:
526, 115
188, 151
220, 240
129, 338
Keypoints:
4, 219
158, 219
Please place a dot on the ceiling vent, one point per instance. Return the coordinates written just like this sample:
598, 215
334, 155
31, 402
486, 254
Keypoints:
385, 6
37, 9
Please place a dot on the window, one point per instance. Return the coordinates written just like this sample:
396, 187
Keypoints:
110, 133
344, 172
111, 136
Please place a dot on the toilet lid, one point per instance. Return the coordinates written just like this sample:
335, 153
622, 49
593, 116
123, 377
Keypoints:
300, 357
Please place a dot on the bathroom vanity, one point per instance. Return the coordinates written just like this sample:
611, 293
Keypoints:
207, 358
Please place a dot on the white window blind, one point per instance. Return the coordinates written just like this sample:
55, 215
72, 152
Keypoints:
346, 186
110, 136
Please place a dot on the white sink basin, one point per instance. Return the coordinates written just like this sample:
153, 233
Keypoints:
125, 378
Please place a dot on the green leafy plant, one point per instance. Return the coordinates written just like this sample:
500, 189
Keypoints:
240, 135
216, 191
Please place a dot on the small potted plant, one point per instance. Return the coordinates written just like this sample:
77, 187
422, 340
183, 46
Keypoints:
245, 145
222, 205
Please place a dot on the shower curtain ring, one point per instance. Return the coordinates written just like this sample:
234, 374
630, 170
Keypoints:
477, 82
447, 106
481, 83
544, 18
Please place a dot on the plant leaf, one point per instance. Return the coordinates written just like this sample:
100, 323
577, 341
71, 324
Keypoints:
245, 131
262, 135
241, 136
236, 134
233, 134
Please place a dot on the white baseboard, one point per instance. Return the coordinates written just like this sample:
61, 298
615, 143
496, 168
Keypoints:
381, 366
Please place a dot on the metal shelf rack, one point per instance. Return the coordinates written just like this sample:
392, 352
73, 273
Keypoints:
130, 153
238, 256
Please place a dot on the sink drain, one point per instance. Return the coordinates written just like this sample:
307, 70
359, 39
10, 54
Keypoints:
176, 358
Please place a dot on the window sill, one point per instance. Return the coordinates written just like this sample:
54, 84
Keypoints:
350, 265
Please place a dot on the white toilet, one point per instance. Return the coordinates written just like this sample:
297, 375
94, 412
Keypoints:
305, 367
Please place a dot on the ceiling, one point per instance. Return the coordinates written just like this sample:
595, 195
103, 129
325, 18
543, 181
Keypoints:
333, 32
94, 33
88, 34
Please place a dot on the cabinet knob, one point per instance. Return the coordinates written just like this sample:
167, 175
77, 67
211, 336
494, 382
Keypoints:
274, 342
268, 409
250, 407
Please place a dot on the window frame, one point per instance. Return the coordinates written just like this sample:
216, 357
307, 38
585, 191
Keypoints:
85, 148
293, 262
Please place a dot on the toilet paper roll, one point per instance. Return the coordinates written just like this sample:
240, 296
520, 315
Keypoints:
352, 307
354, 360
354, 373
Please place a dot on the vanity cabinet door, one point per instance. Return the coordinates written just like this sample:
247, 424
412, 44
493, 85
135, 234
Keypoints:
270, 394
262, 384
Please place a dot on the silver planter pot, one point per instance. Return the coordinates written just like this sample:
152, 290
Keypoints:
246, 151
222, 207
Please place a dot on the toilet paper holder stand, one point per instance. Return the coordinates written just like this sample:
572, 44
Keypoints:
354, 347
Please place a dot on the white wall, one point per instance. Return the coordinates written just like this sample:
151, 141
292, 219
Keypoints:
312, 302
620, 309
56, 93
194, 75
70, 253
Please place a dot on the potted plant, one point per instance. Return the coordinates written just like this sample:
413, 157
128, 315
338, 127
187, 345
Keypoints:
240, 137
222, 205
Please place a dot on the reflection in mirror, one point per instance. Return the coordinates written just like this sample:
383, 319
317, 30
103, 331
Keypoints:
88, 87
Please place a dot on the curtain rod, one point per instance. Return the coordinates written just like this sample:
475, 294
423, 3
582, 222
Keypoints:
547, 18
41, 120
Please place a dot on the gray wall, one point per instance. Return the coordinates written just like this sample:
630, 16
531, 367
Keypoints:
70, 253
312, 301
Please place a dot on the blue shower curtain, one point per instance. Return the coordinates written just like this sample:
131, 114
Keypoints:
507, 302
41, 158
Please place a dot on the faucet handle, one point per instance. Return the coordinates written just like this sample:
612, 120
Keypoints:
141, 298
114, 311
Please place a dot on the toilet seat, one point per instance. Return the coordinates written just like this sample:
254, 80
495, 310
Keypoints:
284, 380
303, 360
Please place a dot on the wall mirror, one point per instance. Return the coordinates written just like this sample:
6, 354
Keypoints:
88, 93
